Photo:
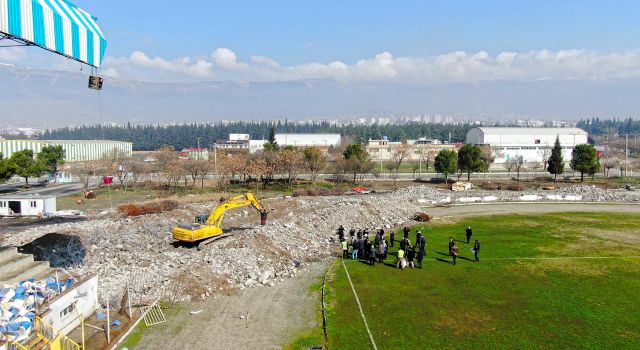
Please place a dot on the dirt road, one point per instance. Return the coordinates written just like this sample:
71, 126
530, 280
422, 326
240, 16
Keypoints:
258, 318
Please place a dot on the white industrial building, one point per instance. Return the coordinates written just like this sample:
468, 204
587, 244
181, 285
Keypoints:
27, 205
308, 140
533, 144
75, 150
242, 142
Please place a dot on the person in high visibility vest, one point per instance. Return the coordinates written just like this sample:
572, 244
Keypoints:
401, 262
345, 248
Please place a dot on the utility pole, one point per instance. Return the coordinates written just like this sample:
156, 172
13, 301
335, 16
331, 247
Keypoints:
199, 151
626, 153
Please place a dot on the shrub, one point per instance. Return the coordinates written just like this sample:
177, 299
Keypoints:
422, 217
489, 186
516, 186
133, 209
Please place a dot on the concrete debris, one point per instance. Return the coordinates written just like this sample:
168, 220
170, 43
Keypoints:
299, 231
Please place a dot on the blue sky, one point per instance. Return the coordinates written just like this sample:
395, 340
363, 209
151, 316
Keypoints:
355, 40
295, 32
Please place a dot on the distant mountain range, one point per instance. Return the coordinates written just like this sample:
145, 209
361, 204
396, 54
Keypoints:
57, 98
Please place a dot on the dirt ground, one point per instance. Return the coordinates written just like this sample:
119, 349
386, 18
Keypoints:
256, 318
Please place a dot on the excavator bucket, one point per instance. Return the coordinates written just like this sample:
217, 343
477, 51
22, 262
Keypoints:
263, 218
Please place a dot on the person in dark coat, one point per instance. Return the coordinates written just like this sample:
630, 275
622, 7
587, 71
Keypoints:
381, 251
476, 250
360, 248
354, 249
367, 248
392, 237
421, 254
406, 230
352, 233
341, 233
451, 244
468, 233
411, 254
454, 253
372, 254
421, 242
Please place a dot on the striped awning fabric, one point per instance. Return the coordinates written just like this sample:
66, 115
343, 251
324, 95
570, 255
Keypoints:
55, 25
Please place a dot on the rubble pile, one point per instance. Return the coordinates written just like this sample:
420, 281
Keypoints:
299, 230
583, 193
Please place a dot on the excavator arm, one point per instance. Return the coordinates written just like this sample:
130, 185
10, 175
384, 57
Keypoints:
217, 214
211, 227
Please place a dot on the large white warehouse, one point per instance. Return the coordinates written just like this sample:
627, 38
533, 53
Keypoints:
533, 144
75, 150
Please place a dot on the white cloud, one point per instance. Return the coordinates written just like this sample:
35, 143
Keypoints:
452, 67
264, 61
186, 65
226, 59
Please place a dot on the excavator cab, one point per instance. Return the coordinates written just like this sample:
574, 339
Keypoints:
201, 218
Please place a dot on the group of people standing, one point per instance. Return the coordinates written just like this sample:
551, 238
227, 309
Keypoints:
362, 247
365, 249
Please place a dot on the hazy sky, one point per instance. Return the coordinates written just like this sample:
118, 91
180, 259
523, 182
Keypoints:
413, 42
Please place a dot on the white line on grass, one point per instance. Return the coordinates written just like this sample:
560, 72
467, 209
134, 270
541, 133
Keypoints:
567, 257
359, 306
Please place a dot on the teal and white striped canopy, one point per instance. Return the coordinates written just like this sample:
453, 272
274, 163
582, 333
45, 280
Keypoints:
55, 25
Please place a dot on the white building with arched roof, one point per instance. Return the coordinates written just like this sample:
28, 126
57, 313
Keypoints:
532, 144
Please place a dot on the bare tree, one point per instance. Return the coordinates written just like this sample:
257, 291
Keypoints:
204, 168
339, 167
415, 166
192, 167
545, 154
609, 163
510, 164
519, 164
137, 169
291, 162
316, 161
166, 156
427, 155
399, 154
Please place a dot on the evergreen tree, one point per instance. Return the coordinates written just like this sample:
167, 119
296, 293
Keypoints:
555, 165
585, 160
469, 159
7, 169
272, 144
51, 157
25, 165
446, 162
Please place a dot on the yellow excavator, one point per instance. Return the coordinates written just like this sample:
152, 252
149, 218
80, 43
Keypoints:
207, 228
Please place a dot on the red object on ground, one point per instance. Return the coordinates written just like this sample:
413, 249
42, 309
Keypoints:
359, 189
107, 180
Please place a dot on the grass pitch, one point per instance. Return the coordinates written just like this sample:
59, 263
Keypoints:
549, 300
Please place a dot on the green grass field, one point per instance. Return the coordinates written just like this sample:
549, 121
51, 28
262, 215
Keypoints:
501, 303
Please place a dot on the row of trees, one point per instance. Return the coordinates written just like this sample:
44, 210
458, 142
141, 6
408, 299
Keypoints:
471, 158
24, 164
150, 137
596, 126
